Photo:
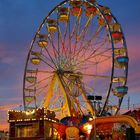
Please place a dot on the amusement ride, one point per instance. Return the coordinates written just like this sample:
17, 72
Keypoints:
78, 51
77, 64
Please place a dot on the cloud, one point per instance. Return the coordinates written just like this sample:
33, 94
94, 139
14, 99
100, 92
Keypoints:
9, 55
4, 126
133, 47
134, 68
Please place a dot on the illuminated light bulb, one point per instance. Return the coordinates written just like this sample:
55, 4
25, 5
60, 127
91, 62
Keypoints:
88, 128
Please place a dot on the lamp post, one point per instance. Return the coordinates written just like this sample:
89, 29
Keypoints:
94, 99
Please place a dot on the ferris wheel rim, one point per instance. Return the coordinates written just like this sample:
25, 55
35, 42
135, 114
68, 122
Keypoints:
112, 75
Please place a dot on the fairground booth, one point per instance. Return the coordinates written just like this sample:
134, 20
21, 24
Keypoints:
42, 124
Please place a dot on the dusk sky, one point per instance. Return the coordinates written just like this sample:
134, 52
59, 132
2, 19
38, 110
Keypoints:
19, 20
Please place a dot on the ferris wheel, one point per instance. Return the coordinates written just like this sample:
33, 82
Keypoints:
79, 50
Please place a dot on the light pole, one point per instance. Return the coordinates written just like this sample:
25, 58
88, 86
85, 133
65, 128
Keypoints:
94, 99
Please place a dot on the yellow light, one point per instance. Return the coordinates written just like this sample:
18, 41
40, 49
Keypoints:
63, 18
88, 128
30, 112
42, 43
90, 119
94, 117
35, 61
52, 28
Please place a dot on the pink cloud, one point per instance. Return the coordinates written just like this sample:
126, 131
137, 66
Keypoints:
5, 55
133, 44
4, 126
10, 55
134, 68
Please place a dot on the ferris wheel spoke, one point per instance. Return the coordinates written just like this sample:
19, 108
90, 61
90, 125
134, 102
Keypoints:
44, 79
76, 37
97, 76
39, 82
81, 35
38, 71
50, 39
50, 65
106, 56
58, 40
101, 56
40, 90
84, 30
56, 54
51, 59
93, 55
44, 56
86, 66
88, 42
101, 43
105, 59
72, 32
63, 39
92, 49
95, 35
68, 47
77, 22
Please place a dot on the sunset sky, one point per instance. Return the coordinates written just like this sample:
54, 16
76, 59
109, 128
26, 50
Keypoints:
19, 20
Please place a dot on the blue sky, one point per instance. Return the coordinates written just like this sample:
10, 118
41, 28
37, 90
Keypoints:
19, 20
